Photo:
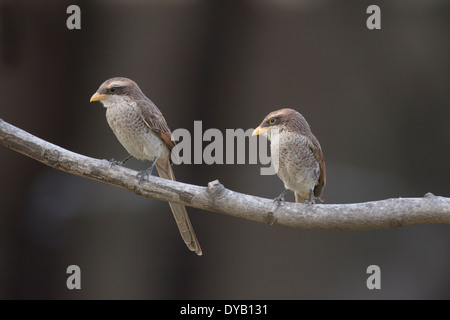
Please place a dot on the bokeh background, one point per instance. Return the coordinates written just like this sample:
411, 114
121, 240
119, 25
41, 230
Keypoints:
378, 101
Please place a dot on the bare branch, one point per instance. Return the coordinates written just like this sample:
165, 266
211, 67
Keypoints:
215, 197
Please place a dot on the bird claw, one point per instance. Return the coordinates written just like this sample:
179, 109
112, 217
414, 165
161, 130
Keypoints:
116, 163
119, 163
279, 200
144, 174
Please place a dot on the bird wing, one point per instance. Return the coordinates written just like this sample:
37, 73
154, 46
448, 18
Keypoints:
154, 119
319, 190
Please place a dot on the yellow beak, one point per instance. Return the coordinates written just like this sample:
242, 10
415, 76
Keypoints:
98, 96
260, 130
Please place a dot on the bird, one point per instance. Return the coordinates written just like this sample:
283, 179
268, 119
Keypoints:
296, 154
142, 130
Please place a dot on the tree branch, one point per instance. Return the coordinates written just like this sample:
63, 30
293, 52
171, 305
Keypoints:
215, 197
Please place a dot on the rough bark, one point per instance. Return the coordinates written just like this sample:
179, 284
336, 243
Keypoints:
215, 197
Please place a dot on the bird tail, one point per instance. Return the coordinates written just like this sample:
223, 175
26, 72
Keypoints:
179, 211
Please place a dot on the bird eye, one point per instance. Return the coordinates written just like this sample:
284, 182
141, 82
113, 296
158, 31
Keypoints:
112, 90
272, 121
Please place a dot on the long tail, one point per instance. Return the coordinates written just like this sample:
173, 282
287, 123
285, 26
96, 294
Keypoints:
179, 211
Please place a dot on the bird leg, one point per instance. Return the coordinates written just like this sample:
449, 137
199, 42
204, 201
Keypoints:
280, 198
120, 163
147, 173
276, 204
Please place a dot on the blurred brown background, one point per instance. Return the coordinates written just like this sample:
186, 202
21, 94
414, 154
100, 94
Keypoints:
378, 101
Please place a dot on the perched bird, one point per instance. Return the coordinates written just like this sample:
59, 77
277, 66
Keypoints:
142, 130
295, 154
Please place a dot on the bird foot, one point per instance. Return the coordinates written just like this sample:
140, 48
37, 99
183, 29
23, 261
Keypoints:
279, 199
120, 163
116, 163
277, 202
144, 174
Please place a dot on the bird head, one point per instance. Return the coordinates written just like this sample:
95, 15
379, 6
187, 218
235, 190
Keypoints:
275, 121
116, 88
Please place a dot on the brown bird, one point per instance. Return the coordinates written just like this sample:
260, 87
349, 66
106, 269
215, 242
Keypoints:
295, 153
142, 130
